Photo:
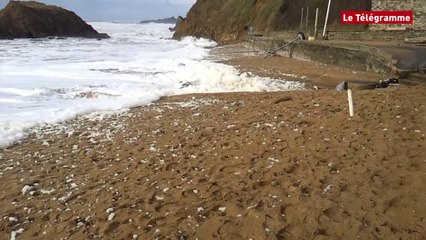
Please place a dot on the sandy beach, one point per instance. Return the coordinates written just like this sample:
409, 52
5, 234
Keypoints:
282, 165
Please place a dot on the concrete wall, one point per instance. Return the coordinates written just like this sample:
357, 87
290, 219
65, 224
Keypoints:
358, 57
417, 6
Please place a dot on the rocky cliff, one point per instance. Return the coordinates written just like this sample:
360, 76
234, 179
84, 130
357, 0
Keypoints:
226, 20
36, 20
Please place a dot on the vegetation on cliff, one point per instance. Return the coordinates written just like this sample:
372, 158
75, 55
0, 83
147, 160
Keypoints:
226, 20
36, 20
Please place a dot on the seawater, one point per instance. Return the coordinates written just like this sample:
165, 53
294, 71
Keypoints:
45, 81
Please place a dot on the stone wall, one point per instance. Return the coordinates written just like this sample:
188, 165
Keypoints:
417, 6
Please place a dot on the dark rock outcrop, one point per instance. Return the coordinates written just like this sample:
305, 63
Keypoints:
228, 20
36, 20
170, 20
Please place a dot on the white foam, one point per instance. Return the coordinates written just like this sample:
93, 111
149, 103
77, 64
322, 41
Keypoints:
52, 80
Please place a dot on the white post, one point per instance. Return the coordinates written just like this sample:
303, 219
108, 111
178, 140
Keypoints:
307, 19
326, 18
316, 22
301, 21
351, 103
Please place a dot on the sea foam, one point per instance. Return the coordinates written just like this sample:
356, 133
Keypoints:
46, 81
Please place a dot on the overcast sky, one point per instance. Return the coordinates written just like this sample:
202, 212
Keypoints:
122, 10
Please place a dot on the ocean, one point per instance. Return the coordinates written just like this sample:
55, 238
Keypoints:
45, 81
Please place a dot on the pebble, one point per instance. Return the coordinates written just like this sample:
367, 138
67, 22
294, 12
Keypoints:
14, 234
27, 188
111, 216
328, 188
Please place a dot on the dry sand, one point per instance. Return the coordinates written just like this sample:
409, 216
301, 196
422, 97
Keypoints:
285, 165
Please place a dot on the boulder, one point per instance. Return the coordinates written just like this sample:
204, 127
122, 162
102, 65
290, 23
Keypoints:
29, 19
416, 40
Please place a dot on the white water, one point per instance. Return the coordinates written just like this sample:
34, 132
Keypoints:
51, 80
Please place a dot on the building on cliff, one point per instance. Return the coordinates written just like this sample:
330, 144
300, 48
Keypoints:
417, 6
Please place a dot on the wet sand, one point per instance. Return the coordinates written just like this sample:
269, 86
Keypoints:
315, 75
283, 165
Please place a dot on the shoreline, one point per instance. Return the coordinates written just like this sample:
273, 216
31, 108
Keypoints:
313, 74
267, 165
247, 61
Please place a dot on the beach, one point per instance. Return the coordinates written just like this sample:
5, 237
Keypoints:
314, 74
265, 165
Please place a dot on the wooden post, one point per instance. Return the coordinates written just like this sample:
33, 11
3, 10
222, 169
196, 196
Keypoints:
316, 22
351, 103
326, 19
307, 19
301, 21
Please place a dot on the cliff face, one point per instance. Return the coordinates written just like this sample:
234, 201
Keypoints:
225, 20
37, 20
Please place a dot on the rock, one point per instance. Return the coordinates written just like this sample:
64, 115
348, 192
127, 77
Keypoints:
28, 19
416, 40
170, 20
343, 86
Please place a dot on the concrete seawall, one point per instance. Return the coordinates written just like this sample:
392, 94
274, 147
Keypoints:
353, 55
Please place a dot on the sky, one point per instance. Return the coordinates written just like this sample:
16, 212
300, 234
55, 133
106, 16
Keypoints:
122, 10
